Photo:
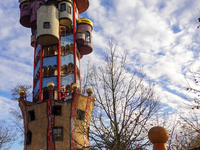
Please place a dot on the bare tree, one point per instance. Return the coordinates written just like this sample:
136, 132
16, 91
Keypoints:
125, 103
18, 87
7, 135
15, 112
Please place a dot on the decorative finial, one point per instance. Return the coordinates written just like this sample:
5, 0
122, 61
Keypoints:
94, 98
89, 91
75, 86
158, 135
21, 92
50, 85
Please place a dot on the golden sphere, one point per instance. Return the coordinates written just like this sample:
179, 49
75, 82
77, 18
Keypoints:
50, 85
75, 86
94, 98
21, 92
89, 91
158, 135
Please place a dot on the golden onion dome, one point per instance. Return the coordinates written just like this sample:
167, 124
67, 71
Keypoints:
50, 85
89, 91
84, 20
21, 92
75, 86
158, 135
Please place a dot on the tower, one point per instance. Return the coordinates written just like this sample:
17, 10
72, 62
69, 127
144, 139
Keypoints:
58, 117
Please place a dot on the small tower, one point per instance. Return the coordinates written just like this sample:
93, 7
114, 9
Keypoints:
58, 117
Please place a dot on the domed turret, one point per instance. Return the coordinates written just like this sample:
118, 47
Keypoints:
82, 5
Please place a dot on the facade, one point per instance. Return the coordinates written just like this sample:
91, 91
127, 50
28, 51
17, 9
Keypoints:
58, 117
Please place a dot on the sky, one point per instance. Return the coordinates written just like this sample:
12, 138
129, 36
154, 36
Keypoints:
161, 36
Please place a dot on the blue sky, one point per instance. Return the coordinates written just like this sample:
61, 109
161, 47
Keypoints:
162, 38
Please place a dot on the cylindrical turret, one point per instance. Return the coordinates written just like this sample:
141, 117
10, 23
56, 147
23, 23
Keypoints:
47, 25
84, 36
25, 13
65, 8
34, 6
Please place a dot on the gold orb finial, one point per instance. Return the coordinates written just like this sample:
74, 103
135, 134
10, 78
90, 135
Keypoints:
89, 91
75, 86
94, 98
50, 85
158, 135
21, 92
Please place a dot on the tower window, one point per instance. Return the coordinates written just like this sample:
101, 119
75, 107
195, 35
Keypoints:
57, 134
46, 25
80, 114
29, 137
63, 7
45, 94
69, 9
25, 7
56, 110
87, 37
31, 115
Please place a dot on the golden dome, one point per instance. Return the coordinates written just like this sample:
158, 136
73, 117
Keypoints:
75, 86
158, 135
21, 92
84, 20
89, 91
50, 85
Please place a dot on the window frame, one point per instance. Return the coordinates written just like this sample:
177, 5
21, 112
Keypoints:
31, 115
25, 7
87, 35
45, 26
62, 7
55, 137
80, 114
55, 108
69, 9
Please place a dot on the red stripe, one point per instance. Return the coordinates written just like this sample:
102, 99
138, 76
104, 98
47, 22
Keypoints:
41, 73
59, 66
75, 67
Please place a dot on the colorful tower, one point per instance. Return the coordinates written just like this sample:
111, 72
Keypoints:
58, 116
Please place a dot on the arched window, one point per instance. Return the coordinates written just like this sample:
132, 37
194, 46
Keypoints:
70, 68
44, 70
71, 49
87, 37
49, 71
67, 49
62, 50
28, 137
51, 51
45, 93
55, 50
55, 68
64, 70
45, 51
